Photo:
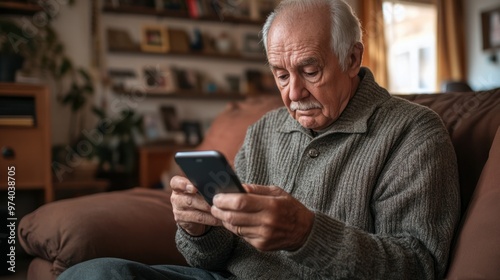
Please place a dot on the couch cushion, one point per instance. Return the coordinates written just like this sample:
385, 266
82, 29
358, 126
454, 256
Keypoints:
136, 224
472, 119
476, 254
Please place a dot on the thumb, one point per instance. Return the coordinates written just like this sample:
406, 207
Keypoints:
263, 190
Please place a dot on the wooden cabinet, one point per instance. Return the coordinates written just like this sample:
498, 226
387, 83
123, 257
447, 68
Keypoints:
155, 159
25, 137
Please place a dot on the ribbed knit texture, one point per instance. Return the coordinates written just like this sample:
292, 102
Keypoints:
384, 190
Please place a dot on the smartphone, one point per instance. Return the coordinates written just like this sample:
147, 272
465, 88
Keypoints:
209, 172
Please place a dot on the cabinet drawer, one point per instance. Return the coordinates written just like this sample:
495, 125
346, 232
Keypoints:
29, 159
25, 130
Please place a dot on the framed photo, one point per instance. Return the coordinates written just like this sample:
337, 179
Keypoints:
153, 129
119, 40
490, 23
192, 132
120, 78
187, 79
170, 120
155, 39
179, 41
252, 45
160, 80
259, 82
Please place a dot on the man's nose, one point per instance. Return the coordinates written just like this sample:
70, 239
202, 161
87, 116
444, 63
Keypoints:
298, 90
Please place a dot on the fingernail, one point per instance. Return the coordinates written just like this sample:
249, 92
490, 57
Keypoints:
190, 188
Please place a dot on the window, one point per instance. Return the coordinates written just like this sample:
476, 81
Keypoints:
410, 31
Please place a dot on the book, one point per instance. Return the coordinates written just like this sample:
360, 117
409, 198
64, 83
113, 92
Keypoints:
27, 121
192, 5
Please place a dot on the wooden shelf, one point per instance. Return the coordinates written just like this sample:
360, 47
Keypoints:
135, 50
178, 15
217, 56
15, 7
185, 94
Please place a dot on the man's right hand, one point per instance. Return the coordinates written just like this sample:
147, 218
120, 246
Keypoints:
191, 211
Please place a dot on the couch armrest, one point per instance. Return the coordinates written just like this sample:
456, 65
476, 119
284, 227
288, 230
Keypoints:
476, 254
135, 224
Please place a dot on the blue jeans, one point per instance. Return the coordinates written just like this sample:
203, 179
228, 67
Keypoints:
119, 269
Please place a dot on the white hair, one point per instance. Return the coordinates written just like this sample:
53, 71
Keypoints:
345, 26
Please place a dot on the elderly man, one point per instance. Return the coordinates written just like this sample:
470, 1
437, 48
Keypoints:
345, 182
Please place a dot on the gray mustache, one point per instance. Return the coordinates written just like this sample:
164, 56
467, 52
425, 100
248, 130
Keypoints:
304, 105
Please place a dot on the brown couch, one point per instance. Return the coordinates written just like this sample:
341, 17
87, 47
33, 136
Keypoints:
137, 224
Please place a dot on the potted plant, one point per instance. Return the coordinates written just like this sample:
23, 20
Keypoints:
117, 152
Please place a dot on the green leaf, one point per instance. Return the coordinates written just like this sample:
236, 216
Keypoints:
88, 89
50, 36
78, 102
68, 98
85, 75
99, 112
51, 66
65, 67
58, 49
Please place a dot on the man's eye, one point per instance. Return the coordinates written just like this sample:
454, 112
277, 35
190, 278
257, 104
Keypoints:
283, 77
312, 74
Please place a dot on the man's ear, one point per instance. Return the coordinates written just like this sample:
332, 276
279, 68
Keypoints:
355, 59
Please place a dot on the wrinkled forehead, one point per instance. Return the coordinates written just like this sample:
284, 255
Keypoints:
289, 57
300, 38
297, 25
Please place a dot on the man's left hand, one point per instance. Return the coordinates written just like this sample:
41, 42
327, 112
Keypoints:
267, 217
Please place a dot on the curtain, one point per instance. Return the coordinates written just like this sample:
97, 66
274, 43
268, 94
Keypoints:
372, 21
450, 41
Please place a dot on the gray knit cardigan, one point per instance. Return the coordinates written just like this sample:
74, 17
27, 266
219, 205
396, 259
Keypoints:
382, 182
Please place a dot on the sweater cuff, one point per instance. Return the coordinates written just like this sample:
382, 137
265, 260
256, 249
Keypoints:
323, 242
213, 242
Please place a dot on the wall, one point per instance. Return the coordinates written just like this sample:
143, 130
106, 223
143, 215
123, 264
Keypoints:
72, 24
482, 73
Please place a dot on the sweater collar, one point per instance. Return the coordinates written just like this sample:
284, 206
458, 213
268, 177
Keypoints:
354, 119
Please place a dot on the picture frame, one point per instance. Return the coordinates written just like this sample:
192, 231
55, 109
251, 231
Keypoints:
170, 119
490, 27
252, 45
120, 40
259, 82
192, 131
187, 79
155, 39
153, 128
159, 80
179, 41
119, 78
